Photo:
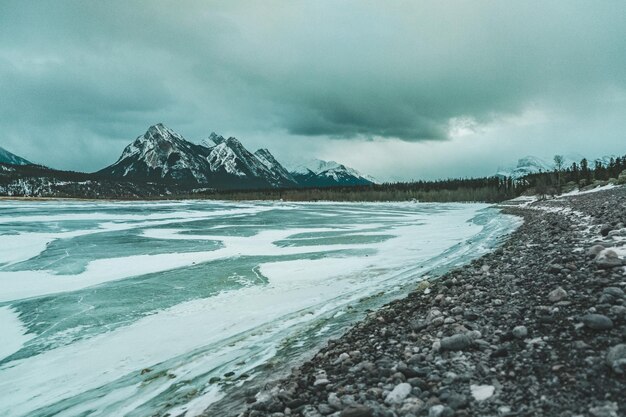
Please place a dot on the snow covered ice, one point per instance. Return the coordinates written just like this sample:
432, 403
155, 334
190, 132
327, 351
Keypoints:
133, 308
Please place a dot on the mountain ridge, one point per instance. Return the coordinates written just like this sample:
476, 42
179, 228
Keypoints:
7, 157
530, 164
161, 154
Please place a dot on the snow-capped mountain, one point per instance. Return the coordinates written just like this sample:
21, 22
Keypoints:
162, 154
533, 165
320, 173
273, 165
7, 157
231, 157
525, 166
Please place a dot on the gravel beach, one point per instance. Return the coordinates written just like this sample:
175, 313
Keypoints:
535, 328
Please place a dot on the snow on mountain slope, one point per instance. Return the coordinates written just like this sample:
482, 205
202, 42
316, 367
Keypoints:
273, 165
320, 173
162, 154
231, 156
533, 165
7, 157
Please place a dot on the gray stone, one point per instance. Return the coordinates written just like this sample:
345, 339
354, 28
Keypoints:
310, 411
595, 250
556, 295
325, 409
456, 342
440, 411
437, 321
411, 406
608, 409
616, 358
597, 322
357, 411
398, 394
614, 292
520, 332
608, 259
334, 401
456, 400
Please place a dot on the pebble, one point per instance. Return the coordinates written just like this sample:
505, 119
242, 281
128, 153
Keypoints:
614, 292
482, 392
557, 295
608, 259
398, 394
357, 411
595, 250
597, 322
616, 358
440, 411
456, 342
520, 332
608, 409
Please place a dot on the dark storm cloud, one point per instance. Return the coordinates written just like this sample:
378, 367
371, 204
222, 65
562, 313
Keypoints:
92, 75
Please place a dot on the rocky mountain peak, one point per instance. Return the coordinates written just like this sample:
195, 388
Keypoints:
215, 138
7, 157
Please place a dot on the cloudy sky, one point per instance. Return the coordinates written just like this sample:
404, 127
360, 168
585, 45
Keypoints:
399, 90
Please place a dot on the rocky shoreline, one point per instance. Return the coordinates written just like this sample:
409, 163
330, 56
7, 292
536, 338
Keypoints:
537, 327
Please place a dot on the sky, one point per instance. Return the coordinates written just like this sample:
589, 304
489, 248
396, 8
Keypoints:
399, 90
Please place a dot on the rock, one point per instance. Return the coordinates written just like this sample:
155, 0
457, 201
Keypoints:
470, 316
411, 406
608, 409
432, 314
437, 321
557, 295
310, 411
616, 358
342, 358
456, 342
440, 411
325, 409
398, 394
614, 292
595, 250
604, 231
597, 322
482, 392
608, 259
504, 410
520, 332
321, 379
418, 325
456, 401
334, 401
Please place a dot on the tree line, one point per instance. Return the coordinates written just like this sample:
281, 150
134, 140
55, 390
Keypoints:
490, 189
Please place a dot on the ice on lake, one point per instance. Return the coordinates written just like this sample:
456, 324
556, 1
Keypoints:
136, 308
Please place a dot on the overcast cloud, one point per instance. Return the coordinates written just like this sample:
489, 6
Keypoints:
396, 89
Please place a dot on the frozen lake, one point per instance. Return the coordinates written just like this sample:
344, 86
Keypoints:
112, 309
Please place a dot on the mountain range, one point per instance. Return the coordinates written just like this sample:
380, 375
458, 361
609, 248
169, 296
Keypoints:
164, 155
533, 165
7, 157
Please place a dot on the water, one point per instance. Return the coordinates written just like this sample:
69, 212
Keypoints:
111, 309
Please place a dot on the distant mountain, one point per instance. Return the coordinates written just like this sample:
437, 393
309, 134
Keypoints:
7, 157
320, 173
533, 165
163, 155
273, 165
